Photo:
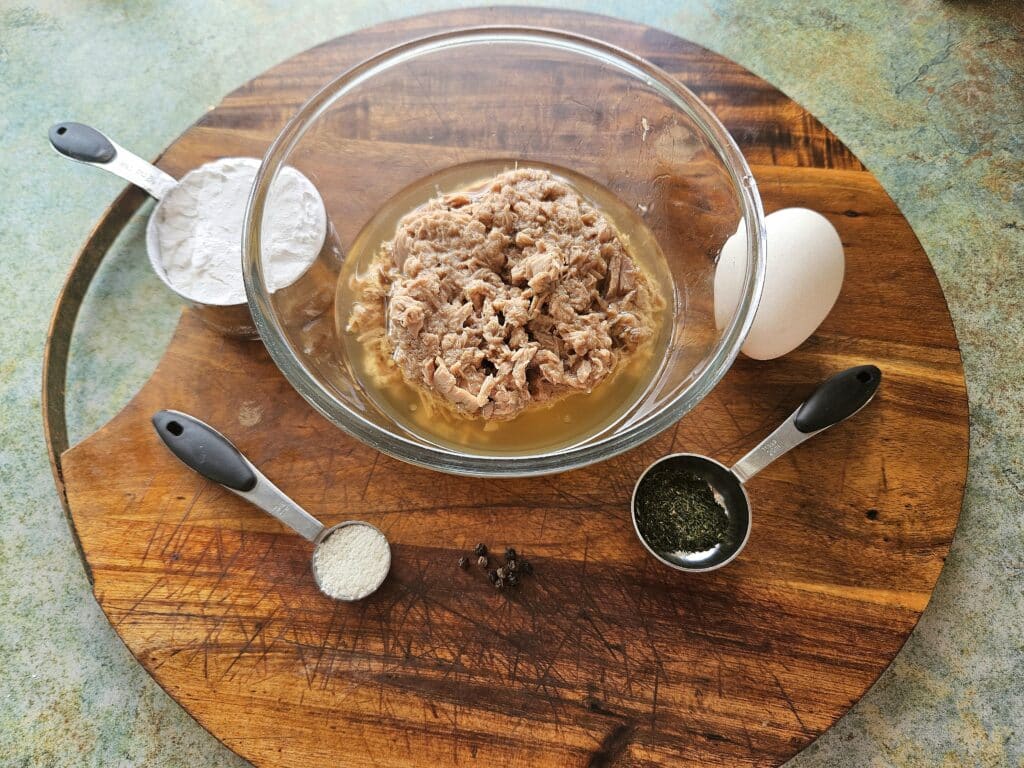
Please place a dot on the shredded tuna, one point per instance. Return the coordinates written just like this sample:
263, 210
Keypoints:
505, 296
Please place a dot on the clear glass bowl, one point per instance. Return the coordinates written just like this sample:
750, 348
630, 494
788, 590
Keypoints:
529, 96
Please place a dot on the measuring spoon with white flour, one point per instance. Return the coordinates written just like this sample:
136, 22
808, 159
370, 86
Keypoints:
350, 560
194, 235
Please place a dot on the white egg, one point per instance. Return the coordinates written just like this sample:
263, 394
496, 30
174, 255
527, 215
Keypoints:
803, 275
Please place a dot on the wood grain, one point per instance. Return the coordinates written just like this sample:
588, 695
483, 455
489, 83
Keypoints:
604, 657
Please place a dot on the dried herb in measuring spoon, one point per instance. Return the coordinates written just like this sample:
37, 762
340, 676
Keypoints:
677, 512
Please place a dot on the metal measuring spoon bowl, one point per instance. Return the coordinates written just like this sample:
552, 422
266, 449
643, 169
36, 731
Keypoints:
729, 493
205, 450
370, 578
838, 398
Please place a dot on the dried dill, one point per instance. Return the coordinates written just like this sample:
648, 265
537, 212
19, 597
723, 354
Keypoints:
677, 512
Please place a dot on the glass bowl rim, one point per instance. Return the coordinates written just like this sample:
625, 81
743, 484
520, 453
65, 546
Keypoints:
574, 456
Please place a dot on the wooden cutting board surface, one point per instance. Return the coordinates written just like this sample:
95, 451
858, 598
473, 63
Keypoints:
604, 657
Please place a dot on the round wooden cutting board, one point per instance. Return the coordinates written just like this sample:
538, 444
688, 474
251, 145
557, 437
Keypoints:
604, 657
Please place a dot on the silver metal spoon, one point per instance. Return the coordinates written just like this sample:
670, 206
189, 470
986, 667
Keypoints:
85, 144
208, 452
837, 399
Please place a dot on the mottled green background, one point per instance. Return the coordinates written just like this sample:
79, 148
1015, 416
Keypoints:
929, 94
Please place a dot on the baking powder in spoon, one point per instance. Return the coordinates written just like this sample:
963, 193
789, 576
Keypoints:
352, 561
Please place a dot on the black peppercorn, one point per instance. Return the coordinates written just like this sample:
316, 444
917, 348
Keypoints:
463, 562
510, 554
511, 565
481, 550
483, 561
511, 579
525, 567
493, 576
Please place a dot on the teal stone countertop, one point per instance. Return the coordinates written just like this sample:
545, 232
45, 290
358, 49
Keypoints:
928, 93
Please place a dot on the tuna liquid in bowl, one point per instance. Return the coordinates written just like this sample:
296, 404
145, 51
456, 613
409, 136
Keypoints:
526, 225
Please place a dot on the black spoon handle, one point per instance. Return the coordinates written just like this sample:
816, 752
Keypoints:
87, 145
208, 452
838, 398
82, 142
205, 450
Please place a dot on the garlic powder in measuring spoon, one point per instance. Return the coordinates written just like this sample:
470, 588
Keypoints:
351, 561
196, 230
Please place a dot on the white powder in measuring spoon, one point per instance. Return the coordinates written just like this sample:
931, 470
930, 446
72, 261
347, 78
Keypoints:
197, 229
352, 562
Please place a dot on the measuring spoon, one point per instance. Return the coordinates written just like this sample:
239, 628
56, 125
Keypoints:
85, 144
213, 456
835, 400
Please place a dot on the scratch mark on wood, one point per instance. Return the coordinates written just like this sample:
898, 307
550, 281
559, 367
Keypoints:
789, 704
613, 747
369, 476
